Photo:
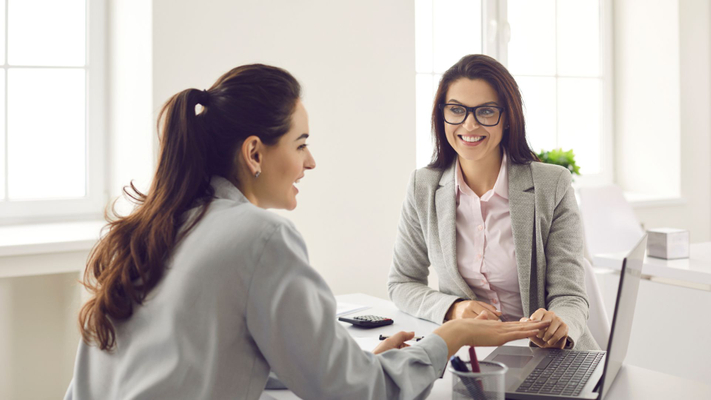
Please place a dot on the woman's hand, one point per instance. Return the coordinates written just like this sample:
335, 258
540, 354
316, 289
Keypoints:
555, 336
396, 341
472, 309
482, 332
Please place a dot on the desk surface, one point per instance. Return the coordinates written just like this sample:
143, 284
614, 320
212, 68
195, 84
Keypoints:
632, 383
694, 271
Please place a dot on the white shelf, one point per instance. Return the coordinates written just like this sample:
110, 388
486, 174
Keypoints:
692, 271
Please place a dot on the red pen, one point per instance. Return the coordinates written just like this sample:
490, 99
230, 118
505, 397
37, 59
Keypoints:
473, 360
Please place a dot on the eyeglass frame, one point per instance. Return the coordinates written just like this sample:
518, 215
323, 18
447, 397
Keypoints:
473, 111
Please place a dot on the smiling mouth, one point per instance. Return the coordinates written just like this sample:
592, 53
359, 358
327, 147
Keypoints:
472, 139
295, 183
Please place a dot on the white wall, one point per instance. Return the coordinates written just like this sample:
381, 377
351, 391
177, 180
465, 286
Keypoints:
38, 335
646, 88
355, 61
662, 103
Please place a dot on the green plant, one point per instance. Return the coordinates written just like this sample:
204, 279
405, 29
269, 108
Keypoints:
562, 158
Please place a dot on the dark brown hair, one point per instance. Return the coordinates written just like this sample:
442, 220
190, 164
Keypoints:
479, 66
129, 260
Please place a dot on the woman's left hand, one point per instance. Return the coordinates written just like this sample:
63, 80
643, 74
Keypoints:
553, 337
396, 341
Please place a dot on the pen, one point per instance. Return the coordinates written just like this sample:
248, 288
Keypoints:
475, 364
471, 384
416, 338
474, 360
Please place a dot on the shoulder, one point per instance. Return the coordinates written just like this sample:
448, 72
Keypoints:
544, 172
550, 176
426, 176
242, 225
423, 183
551, 180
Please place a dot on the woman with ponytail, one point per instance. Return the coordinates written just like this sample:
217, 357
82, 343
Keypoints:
200, 292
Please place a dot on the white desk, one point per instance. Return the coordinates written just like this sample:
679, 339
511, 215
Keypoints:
632, 383
693, 272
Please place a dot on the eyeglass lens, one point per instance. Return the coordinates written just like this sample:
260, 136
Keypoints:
487, 116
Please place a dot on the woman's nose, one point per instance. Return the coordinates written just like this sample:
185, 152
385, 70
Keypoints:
470, 122
310, 162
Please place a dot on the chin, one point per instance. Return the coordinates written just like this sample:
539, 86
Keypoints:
290, 205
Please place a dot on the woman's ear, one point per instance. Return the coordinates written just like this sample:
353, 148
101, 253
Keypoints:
252, 153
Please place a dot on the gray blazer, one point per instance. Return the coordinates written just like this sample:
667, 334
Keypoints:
237, 300
548, 239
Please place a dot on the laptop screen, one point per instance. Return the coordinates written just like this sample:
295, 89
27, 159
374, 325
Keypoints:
630, 276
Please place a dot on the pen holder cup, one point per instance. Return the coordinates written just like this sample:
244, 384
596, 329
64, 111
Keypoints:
489, 384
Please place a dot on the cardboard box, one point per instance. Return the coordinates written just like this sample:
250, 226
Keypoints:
668, 243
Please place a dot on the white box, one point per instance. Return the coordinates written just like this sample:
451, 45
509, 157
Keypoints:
668, 243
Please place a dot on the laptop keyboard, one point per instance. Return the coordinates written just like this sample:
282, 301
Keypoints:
562, 373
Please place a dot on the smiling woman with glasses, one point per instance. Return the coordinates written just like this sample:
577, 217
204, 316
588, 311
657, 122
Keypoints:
501, 230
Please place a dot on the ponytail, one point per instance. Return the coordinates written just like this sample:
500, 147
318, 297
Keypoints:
129, 260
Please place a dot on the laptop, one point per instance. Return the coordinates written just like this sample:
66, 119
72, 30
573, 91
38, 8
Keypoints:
536, 373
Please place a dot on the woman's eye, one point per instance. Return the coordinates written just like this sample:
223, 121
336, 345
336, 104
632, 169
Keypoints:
302, 147
485, 112
457, 110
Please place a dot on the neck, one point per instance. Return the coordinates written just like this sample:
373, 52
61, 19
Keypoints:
247, 190
480, 175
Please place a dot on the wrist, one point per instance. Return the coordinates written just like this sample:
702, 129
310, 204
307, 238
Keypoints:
454, 335
451, 312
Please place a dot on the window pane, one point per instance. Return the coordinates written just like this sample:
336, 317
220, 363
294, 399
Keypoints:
47, 32
579, 121
457, 31
46, 133
532, 45
539, 108
423, 35
578, 37
423, 112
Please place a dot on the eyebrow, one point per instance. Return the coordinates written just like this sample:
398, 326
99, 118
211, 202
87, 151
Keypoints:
303, 136
488, 103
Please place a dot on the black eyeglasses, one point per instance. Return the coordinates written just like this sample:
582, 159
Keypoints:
456, 114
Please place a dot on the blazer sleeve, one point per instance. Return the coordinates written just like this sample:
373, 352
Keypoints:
291, 315
407, 281
565, 274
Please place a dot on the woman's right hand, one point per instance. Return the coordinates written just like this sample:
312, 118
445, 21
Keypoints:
482, 332
472, 309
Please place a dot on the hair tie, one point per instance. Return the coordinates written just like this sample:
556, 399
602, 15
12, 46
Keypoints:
204, 98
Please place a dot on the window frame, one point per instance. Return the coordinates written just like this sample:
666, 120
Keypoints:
93, 203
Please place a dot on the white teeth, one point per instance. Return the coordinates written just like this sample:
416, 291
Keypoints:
472, 139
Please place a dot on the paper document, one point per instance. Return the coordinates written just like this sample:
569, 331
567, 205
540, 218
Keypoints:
347, 308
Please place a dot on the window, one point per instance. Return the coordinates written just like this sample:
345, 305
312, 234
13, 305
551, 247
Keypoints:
51, 109
556, 50
444, 32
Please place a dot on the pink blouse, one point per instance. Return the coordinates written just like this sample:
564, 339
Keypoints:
486, 256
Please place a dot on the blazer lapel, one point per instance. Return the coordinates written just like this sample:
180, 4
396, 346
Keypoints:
446, 207
522, 206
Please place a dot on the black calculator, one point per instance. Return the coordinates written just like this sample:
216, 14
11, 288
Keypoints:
367, 321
